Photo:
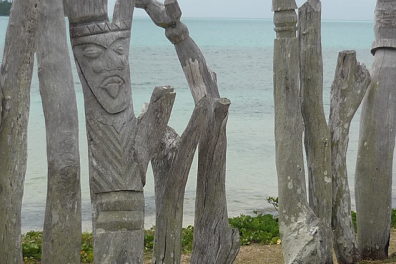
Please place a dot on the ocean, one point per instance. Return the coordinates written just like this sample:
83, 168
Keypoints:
240, 51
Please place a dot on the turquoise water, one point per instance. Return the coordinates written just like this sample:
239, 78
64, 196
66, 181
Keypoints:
240, 51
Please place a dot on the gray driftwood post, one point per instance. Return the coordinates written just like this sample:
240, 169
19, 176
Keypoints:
15, 79
120, 145
347, 91
214, 240
300, 229
171, 166
62, 226
373, 181
316, 134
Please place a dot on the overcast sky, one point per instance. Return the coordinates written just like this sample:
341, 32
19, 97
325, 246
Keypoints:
331, 9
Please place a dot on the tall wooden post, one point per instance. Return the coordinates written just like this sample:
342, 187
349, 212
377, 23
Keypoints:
120, 145
62, 225
347, 91
299, 228
15, 79
316, 133
171, 166
373, 180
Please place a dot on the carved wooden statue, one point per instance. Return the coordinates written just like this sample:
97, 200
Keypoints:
377, 140
300, 230
120, 145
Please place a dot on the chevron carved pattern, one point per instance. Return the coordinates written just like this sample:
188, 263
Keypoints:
111, 157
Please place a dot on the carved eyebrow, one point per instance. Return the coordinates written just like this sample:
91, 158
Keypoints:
122, 40
95, 44
84, 45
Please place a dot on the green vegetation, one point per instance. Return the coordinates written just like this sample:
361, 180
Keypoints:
261, 228
5, 9
32, 244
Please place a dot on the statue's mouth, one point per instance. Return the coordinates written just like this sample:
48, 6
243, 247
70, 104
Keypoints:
112, 85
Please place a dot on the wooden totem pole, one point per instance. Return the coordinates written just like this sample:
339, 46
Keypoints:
373, 182
300, 229
120, 145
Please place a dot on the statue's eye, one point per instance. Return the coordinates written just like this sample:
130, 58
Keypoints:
93, 52
120, 50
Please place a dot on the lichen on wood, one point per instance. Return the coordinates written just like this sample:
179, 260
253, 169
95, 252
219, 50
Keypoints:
347, 91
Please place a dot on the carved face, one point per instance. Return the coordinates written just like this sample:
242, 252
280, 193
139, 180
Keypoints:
103, 60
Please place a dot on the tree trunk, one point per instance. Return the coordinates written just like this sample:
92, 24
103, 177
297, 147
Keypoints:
214, 240
373, 180
62, 226
317, 134
299, 228
171, 166
349, 87
120, 145
15, 79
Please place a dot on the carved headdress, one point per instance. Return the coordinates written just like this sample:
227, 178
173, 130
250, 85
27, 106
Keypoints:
99, 28
89, 17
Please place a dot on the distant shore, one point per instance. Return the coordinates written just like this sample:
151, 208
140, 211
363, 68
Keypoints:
5, 9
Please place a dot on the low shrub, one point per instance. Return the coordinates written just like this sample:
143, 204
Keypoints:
149, 238
187, 239
86, 248
256, 229
32, 244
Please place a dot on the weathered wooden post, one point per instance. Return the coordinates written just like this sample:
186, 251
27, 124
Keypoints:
316, 134
171, 166
62, 226
120, 145
214, 240
299, 228
373, 180
15, 79
347, 91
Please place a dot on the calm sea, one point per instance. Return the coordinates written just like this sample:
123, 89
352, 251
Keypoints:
241, 52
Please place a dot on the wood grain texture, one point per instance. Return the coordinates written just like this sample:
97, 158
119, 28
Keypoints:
376, 142
317, 138
15, 79
214, 240
299, 228
171, 166
350, 84
62, 225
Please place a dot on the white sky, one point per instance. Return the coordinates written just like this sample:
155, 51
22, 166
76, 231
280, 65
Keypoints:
331, 9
